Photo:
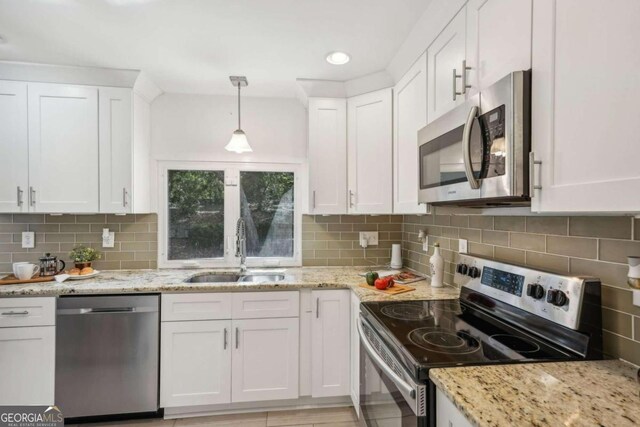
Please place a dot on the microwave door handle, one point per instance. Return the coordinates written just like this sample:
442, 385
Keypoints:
466, 148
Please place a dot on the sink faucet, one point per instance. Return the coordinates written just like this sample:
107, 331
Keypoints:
241, 244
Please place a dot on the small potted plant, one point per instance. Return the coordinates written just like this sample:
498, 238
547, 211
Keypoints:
83, 256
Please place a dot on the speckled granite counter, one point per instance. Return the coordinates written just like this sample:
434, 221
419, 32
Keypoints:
599, 393
132, 281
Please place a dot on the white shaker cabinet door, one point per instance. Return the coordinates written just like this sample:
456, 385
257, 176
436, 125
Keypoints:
14, 149
497, 46
445, 55
63, 148
370, 150
330, 329
409, 116
265, 359
116, 151
586, 87
27, 365
355, 352
327, 156
195, 363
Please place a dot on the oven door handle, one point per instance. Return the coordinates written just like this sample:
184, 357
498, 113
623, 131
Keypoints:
402, 384
466, 148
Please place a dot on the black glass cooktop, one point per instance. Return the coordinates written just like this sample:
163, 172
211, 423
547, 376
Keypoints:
429, 334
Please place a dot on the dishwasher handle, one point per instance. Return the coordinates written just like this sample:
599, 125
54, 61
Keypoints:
106, 310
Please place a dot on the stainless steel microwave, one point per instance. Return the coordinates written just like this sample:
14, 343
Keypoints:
478, 153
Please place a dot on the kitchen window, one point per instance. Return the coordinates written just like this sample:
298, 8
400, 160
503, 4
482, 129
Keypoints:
201, 204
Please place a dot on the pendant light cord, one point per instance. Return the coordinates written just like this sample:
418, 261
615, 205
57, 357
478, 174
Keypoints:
239, 127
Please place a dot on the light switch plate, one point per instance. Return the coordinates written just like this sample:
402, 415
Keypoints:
370, 236
109, 240
28, 239
462, 246
636, 298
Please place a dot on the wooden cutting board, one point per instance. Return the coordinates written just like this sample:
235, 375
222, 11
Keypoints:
13, 280
394, 290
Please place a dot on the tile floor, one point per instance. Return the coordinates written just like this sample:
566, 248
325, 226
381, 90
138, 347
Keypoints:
334, 417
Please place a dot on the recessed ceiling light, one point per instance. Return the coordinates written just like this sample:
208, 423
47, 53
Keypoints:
338, 58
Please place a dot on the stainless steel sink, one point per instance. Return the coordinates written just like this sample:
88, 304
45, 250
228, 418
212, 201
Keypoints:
234, 277
214, 278
261, 278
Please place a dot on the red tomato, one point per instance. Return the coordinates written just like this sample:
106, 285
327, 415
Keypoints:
383, 283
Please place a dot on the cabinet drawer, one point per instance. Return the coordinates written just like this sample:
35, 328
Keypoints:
27, 312
256, 305
205, 306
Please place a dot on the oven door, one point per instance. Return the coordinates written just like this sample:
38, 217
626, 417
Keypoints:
450, 156
388, 396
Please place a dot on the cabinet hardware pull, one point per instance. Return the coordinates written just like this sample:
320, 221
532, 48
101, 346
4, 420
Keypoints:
455, 89
314, 199
465, 86
32, 196
237, 332
20, 192
15, 313
318, 308
532, 173
124, 197
351, 194
225, 338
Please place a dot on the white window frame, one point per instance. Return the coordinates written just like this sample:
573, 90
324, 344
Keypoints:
231, 214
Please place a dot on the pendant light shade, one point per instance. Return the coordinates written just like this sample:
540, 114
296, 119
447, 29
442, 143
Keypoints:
239, 142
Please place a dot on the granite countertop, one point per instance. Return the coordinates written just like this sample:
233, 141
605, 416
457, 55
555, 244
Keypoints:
173, 280
602, 393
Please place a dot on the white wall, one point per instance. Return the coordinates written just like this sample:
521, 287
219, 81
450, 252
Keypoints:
187, 127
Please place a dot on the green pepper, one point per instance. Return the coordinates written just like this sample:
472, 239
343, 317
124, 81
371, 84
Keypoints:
371, 278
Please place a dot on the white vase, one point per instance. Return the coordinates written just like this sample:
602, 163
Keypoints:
436, 265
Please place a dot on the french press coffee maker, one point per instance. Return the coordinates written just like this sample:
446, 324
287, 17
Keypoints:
49, 265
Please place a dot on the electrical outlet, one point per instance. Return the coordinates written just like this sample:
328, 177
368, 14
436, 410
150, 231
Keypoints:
28, 239
462, 246
371, 237
425, 243
636, 298
108, 238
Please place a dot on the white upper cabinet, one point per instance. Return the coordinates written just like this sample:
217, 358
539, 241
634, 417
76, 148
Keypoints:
369, 141
63, 148
586, 87
330, 328
498, 40
409, 116
116, 152
444, 59
14, 148
327, 156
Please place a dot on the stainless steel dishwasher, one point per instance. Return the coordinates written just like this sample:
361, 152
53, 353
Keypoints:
107, 355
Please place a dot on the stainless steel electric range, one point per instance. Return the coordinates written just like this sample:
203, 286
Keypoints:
505, 314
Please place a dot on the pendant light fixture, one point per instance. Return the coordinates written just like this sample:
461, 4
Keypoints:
238, 142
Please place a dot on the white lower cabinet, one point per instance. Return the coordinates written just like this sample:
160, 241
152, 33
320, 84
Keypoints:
355, 353
330, 343
210, 360
27, 365
265, 359
447, 415
195, 362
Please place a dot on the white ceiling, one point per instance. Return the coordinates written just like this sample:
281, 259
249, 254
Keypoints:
192, 46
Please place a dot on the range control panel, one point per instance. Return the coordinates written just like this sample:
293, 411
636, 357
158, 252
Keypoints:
555, 297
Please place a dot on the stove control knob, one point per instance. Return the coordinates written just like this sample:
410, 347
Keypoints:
473, 272
462, 268
535, 291
557, 297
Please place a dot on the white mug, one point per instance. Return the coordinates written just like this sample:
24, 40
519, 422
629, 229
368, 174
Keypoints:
15, 267
27, 271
